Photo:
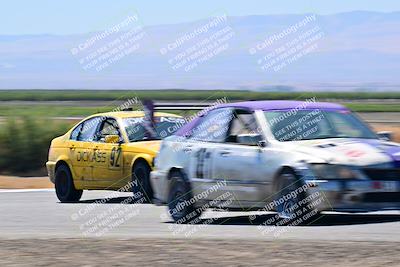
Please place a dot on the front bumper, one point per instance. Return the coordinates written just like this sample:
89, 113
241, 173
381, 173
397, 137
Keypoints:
159, 183
355, 195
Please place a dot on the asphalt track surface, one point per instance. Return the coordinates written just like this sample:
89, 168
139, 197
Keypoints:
38, 214
37, 230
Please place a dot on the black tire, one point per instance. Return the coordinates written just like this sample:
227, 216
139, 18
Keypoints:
141, 187
293, 208
64, 184
180, 206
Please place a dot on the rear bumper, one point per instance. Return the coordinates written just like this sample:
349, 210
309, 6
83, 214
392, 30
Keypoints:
51, 166
356, 195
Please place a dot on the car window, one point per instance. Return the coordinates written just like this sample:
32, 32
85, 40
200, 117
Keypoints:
108, 127
163, 126
316, 124
88, 131
75, 132
300, 125
214, 126
134, 129
344, 125
243, 124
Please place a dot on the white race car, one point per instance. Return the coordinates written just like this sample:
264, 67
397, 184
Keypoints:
297, 158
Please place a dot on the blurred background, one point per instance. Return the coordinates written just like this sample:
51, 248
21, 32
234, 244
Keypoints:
61, 61
30, 119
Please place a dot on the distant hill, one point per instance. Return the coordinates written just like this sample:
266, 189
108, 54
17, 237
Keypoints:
356, 51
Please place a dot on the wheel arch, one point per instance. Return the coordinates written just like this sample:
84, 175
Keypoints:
284, 168
185, 177
63, 161
148, 159
177, 169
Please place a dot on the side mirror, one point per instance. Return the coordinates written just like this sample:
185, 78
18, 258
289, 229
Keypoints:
385, 135
262, 143
111, 139
249, 139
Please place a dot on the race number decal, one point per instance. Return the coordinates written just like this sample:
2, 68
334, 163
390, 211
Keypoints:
115, 157
203, 165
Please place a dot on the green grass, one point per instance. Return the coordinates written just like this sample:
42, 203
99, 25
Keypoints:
171, 95
366, 107
25, 134
24, 143
49, 111
76, 111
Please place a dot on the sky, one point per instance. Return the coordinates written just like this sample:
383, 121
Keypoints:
81, 16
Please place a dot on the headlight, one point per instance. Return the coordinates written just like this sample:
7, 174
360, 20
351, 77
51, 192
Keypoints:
330, 171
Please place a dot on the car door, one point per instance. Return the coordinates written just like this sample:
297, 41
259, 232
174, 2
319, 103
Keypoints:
240, 161
108, 158
201, 148
80, 149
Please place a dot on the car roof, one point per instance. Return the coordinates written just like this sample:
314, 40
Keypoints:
267, 105
283, 105
132, 114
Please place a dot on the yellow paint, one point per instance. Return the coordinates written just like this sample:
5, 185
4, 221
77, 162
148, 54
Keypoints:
102, 165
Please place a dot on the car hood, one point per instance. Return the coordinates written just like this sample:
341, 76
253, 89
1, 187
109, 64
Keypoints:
350, 151
150, 147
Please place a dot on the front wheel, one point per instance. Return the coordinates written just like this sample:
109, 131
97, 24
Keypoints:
141, 187
291, 199
180, 204
64, 184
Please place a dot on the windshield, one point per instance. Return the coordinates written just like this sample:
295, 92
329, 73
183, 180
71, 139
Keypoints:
316, 124
164, 127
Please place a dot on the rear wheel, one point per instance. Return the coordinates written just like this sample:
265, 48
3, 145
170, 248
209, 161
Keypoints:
64, 184
141, 186
180, 206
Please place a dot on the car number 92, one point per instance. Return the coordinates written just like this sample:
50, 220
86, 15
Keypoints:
115, 157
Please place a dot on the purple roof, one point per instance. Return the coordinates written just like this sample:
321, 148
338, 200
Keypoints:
268, 105
284, 105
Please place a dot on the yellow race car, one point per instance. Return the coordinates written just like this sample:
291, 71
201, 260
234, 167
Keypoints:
109, 151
